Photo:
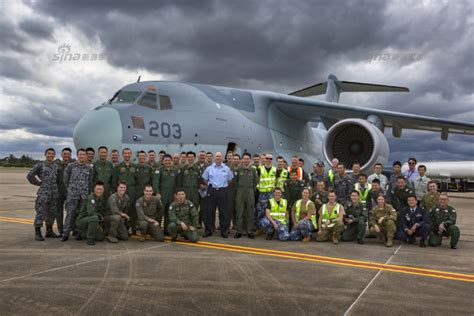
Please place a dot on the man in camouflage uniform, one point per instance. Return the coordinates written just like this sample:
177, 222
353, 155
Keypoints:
443, 218
246, 180
276, 217
383, 220
144, 174
149, 212
127, 171
190, 178
342, 184
317, 175
293, 188
303, 216
77, 178
183, 218
355, 220
91, 214
400, 195
103, 171
45, 175
164, 184
431, 198
114, 221
319, 197
62, 164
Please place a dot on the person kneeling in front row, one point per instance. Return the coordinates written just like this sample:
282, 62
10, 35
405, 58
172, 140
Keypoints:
183, 218
149, 214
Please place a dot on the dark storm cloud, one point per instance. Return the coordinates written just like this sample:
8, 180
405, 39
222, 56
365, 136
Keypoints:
37, 29
275, 45
13, 68
225, 42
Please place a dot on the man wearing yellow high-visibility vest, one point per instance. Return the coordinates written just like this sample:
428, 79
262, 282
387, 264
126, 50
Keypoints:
330, 220
266, 184
363, 189
276, 217
303, 216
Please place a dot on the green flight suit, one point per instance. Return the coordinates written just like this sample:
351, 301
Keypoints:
144, 177
358, 214
447, 217
202, 200
114, 224
231, 199
246, 180
128, 173
164, 183
90, 215
103, 170
400, 196
186, 213
147, 210
189, 179
62, 195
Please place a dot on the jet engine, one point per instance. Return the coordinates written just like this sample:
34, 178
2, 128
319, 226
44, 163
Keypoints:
356, 140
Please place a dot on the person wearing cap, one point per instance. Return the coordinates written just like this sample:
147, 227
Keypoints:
332, 172
318, 175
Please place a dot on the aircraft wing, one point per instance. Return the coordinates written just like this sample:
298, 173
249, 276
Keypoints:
329, 113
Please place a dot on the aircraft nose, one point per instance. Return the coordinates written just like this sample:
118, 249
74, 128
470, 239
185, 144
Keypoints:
100, 127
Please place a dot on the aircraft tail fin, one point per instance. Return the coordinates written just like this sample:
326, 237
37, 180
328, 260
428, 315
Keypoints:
333, 88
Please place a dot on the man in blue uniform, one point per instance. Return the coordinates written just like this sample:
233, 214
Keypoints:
413, 222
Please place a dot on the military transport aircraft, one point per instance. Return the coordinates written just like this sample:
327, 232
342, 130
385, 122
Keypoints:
176, 116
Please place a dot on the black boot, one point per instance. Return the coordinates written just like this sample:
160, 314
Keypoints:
50, 233
38, 235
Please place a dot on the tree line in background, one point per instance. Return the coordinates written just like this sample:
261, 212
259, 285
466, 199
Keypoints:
23, 161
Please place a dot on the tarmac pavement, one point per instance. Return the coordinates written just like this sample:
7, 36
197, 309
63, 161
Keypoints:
226, 276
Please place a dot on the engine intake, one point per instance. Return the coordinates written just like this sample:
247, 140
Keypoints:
356, 140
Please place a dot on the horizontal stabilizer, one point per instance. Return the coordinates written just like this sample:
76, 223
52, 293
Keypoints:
334, 87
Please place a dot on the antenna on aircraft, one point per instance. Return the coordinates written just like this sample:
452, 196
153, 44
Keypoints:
138, 80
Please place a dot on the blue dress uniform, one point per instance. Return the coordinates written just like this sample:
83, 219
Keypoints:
218, 178
408, 217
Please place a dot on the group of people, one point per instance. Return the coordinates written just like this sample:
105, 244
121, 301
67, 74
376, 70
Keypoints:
176, 195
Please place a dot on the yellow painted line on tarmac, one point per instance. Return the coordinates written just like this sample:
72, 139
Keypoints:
310, 257
337, 261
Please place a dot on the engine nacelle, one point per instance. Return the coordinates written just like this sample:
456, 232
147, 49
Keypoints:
356, 140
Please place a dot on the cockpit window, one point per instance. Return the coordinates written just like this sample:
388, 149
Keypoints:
165, 102
148, 100
126, 96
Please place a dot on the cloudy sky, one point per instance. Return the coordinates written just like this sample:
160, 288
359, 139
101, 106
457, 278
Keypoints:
272, 45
